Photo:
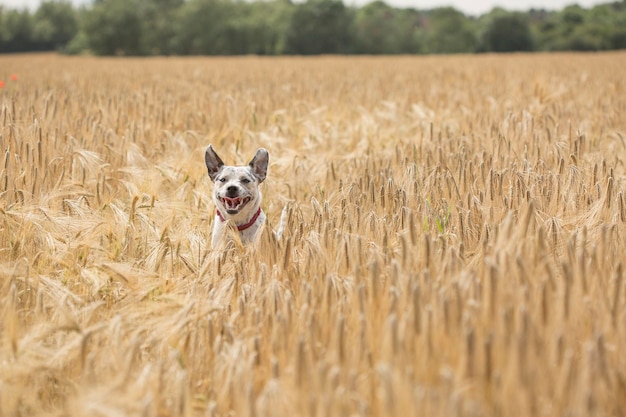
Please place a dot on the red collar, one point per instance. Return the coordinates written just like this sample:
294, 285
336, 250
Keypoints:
243, 226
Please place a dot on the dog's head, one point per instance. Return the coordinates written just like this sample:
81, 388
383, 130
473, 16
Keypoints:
236, 187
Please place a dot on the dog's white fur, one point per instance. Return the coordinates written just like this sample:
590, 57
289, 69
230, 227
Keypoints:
237, 195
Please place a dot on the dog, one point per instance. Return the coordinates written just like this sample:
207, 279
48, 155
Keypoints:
237, 195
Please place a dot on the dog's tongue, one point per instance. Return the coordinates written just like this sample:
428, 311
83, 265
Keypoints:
232, 202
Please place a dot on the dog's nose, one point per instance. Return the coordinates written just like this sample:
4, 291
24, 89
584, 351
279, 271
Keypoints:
232, 190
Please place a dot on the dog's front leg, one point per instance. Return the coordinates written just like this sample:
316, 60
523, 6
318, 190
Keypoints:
218, 232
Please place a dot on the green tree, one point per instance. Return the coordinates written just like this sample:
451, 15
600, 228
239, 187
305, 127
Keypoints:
575, 28
201, 28
157, 30
450, 31
507, 32
374, 27
129, 27
16, 31
382, 29
617, 38
407, 26
55, 24
114, 27
572, 16
223, 27
319, 27
4, 33
162, 27
265, 26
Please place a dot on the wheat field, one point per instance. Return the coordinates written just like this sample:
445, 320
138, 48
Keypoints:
455, 244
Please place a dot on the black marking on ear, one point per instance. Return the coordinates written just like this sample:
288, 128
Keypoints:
213, 162
259, 164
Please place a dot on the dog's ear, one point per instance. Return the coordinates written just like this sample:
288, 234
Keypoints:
213, 162
259, 164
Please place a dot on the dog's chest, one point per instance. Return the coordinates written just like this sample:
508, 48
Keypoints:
247, 235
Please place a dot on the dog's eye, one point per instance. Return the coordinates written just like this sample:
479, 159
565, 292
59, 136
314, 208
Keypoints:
222, 180
245, 180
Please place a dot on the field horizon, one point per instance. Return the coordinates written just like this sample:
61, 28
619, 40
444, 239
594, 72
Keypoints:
455, 246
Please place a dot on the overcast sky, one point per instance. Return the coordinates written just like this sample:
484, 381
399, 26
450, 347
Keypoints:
473, 7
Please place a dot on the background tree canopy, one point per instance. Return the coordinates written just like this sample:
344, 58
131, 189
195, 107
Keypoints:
270, 27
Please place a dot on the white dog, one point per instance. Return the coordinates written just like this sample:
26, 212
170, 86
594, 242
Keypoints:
237, 195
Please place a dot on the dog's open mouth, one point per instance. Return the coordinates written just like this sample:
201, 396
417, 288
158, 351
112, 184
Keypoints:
234, 205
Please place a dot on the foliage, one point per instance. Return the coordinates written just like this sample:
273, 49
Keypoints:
16, 31
55, 24
450, 31
382, 29
577, 29
506, 32
234, 27
222, 27
114, 27
157, 29
318, 27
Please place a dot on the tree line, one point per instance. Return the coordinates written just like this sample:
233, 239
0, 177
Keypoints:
274, 27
